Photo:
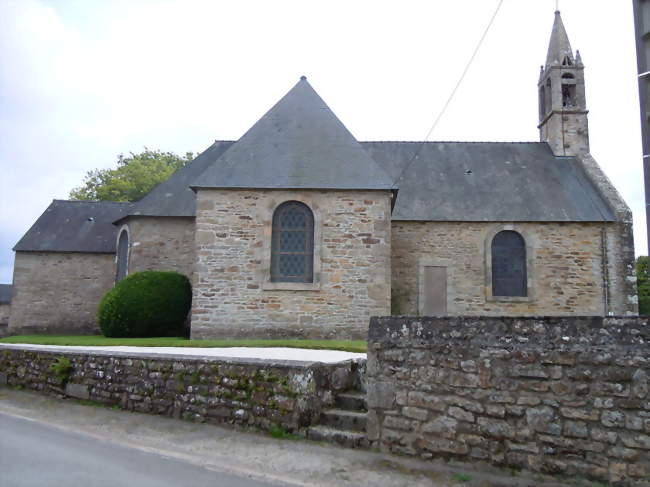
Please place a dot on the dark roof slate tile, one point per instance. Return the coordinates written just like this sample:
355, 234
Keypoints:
297, 144
485, 181
174, 197
74, 226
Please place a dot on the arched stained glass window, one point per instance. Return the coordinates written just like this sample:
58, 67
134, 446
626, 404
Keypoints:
509, 276
122, 256
292, 244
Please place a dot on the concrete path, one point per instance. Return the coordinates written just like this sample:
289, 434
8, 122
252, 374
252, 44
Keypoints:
245, 455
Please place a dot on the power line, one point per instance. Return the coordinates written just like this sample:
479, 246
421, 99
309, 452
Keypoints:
453, 93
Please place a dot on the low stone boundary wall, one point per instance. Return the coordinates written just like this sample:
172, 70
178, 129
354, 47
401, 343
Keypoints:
247, 392
555, 395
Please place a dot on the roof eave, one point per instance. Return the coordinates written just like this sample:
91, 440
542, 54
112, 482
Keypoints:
299, 188
50, 251
500, 220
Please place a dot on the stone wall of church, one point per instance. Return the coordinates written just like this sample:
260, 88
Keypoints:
565, 268
233, 295
5, 309
58, 293
162, 244
619, 241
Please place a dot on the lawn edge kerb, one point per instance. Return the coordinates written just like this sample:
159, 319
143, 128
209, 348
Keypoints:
358, 346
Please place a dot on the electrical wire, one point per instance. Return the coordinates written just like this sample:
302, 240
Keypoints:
453, 93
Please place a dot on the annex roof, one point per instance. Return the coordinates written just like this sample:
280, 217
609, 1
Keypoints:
74, 226
488, 181
5, 293
174, 197
297, 144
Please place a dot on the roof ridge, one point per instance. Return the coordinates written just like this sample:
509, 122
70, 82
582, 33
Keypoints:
448, 142
94, 201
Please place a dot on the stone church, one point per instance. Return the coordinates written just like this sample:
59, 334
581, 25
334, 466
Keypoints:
299, 230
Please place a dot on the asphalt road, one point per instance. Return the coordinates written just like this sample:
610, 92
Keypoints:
33, 454
49, 442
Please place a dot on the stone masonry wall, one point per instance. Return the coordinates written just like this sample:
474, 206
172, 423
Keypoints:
567, 132
619, 239
250, 392
58, 293
565, 270
5, 309
233, 296
556, 395
161, 244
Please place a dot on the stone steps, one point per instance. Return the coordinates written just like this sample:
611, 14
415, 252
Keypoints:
344, 424
350, 439
352, 401
344, 420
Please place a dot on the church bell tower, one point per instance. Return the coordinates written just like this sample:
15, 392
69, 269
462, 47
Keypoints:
562, 103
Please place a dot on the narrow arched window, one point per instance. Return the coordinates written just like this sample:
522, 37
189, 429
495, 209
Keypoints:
509, 276
292, 244
122, 256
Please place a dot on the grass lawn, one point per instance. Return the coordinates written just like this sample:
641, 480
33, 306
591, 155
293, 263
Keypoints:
99, 340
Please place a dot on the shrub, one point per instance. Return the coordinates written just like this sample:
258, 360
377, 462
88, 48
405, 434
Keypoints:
146, 304
61, 368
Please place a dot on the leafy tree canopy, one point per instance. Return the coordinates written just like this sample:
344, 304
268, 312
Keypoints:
643, 283
134, 177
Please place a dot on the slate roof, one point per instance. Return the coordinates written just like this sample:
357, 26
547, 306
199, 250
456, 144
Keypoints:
74, 226
508, 181
5, 293
297, 144
300, 144
488, 181
174, 197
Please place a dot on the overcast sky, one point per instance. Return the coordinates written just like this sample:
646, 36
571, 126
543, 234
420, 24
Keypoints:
82, 81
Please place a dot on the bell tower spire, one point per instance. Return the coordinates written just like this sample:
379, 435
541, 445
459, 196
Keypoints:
562, 104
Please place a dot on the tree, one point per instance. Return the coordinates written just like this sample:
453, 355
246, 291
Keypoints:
643, 284
133, 178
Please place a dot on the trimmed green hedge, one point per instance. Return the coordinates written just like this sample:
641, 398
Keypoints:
146, 304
